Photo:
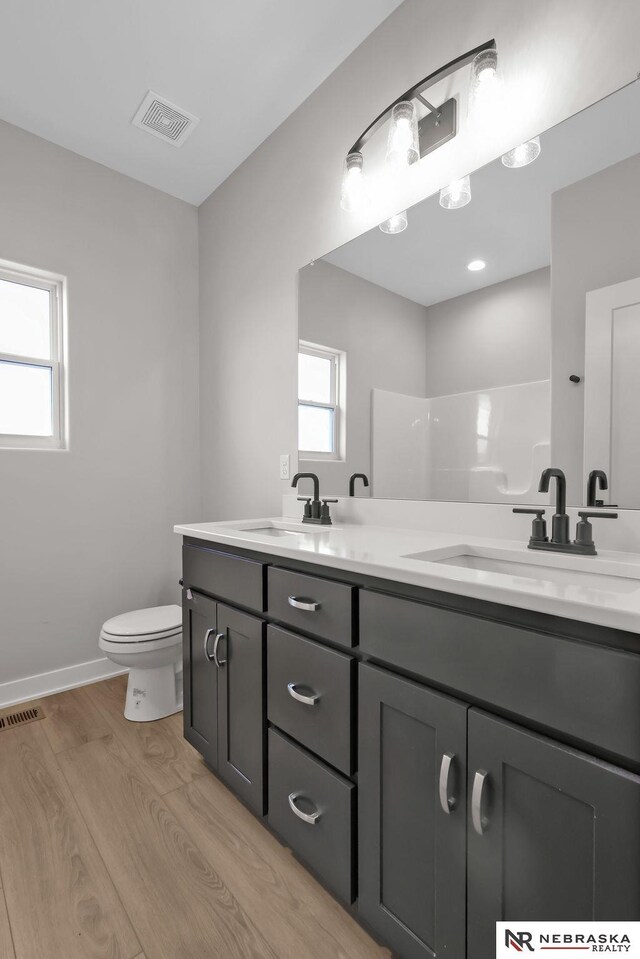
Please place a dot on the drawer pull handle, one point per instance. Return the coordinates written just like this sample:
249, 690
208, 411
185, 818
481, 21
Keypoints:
311, 818
447, 801
219, 662
309, 605
300, 697
479, 820
208, 655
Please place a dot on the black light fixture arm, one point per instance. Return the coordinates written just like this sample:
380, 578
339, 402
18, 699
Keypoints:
416, 91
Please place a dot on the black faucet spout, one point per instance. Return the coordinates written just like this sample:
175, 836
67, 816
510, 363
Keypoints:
352, 482
596, 477
316, 483
560, 520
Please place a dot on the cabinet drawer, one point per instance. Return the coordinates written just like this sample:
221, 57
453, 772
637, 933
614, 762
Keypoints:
233, 578
300, 667
587, 692
331, 606
299, 782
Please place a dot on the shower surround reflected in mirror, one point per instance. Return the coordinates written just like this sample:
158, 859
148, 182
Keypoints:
449, 347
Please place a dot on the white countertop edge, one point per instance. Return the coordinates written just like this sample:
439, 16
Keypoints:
618, 612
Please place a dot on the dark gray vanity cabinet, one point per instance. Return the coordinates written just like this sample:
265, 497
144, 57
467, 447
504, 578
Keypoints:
554, 834
412, 815
224, 695
439, 763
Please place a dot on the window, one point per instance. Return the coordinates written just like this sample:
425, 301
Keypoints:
31, 352
319, 413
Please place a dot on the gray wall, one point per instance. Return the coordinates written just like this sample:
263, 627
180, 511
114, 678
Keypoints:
385, 338
595, 227
280, 209
86, 533
496, 336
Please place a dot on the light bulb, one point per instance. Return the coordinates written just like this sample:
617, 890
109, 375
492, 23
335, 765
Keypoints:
354, 195
485, 94
403, 147
396, 223
457, 194
523, 154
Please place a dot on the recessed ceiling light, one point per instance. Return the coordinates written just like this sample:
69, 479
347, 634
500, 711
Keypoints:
476, 265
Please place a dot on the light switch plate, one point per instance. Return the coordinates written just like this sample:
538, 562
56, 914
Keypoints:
284, 466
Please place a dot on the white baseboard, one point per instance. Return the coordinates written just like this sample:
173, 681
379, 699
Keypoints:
55, 681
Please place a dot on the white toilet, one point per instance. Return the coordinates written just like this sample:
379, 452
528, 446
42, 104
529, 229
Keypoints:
149, 643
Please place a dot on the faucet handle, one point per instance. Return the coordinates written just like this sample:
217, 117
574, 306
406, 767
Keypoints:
306, 512
538, 526
584, 529
329, 500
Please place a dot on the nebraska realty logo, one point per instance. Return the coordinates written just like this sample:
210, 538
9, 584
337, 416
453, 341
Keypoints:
559, 937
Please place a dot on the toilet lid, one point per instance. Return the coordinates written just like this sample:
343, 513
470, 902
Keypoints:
145, 622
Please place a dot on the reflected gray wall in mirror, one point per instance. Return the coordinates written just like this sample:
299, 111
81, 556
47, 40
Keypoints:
455, 385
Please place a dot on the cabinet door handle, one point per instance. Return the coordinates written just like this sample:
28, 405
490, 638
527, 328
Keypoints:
309, 605
446, 801
209, 656
219, 662
311, 818
301, 698
479, 820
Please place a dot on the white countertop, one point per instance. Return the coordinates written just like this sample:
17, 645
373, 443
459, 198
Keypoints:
608, 595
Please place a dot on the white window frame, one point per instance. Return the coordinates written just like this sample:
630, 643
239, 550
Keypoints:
56, 287
337, 389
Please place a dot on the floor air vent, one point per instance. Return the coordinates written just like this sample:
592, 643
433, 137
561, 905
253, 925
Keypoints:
164, 119
21, 717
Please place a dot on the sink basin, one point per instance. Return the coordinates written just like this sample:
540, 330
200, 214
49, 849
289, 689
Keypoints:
274, 529
526, 573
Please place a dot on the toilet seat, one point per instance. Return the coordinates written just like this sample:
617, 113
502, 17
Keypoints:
144, 626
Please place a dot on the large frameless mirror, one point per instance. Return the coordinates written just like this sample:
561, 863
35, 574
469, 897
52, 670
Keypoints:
495, 334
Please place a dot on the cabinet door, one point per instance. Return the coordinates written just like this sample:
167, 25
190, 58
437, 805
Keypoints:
412, 815
554, 834
200, 675
242, 705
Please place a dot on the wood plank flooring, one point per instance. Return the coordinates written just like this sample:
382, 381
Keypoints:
116, 842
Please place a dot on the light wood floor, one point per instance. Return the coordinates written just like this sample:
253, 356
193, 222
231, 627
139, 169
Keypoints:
117, 843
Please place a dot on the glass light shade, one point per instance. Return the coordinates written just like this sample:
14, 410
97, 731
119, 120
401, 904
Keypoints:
403, 147
486, 87
521, 155
354, 194
457, 194
396, 223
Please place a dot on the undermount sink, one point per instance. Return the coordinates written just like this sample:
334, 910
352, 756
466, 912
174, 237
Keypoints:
273, 528
517, 568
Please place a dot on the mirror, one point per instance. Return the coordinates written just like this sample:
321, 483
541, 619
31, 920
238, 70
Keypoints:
457, 359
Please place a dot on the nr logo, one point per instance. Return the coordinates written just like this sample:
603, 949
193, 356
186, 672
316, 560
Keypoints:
518, 940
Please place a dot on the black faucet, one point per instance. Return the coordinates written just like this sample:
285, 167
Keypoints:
560, 521
315, 511
352, 482
560, 541
596, 477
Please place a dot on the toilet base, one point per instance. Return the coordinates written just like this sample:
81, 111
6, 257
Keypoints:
153, 693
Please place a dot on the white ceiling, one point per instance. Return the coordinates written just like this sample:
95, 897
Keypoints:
75, 71
507, 223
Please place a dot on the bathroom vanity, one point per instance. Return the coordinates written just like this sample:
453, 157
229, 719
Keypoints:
441, 741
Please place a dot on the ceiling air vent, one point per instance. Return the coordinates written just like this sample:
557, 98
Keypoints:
164, 119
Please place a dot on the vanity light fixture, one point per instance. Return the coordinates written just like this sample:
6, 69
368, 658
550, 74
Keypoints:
476, 265
396, 223
486, 86
522, 155
411, 138
457, 194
